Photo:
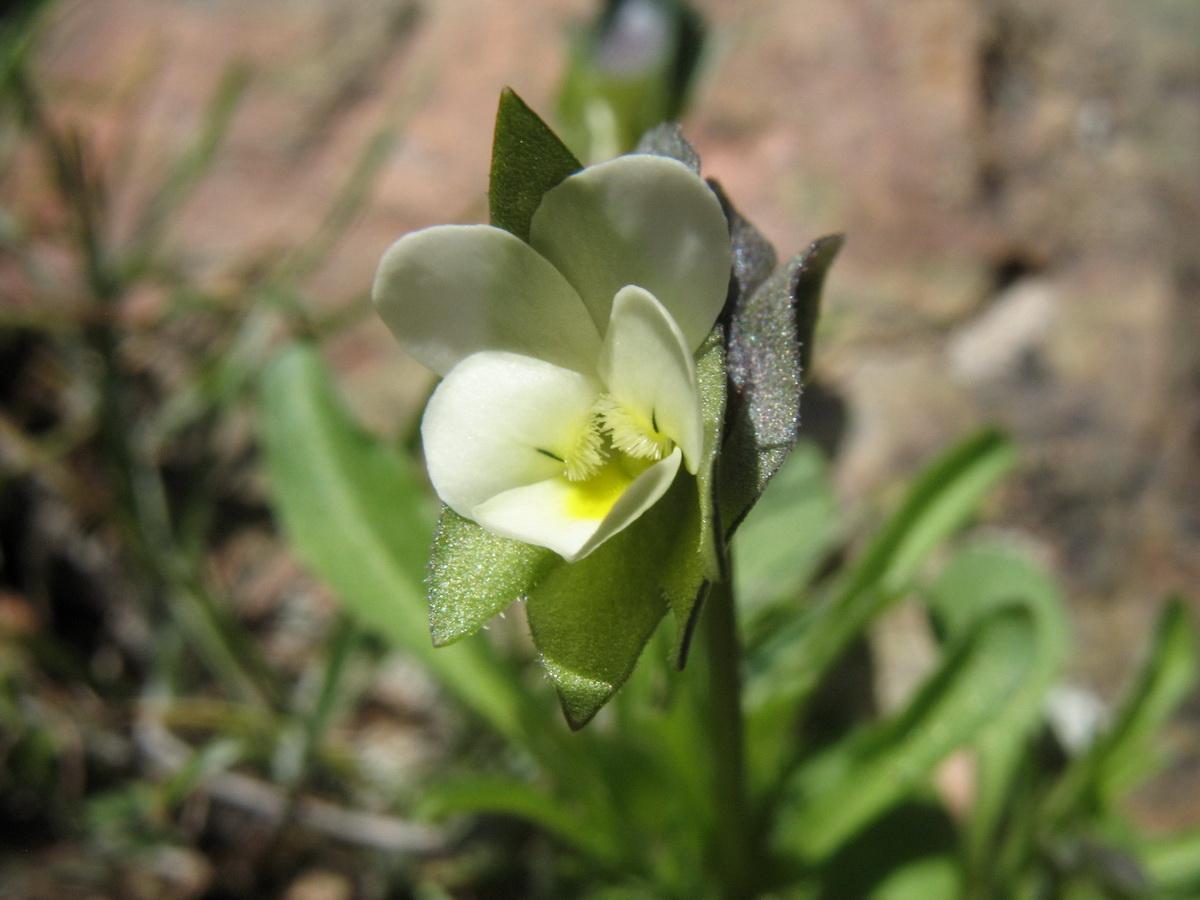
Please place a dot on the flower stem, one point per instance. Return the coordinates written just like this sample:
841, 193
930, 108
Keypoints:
734, 841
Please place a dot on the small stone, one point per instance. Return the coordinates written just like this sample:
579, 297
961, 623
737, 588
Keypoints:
320, 884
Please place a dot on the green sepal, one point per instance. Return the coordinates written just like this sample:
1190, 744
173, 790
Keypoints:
528, 159
769, 336
699, 556
590, 620
475, 574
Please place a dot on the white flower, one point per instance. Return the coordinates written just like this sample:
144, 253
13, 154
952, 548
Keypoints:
569, 396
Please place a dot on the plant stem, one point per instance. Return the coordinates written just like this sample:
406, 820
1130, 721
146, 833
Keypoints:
724, 657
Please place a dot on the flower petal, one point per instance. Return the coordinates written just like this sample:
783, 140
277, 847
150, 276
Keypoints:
644, 220
497, 422
573, 518
452, 290
649, 371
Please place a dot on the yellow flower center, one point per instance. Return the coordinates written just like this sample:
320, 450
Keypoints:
614, 446
632, 431
593, 497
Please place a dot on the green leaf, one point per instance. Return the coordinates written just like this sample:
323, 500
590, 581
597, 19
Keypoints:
943, 500
591, 619
930, 878
850, 784
528, 159
783, 540
769, 332
359, 516
975, 583
505, 796
474, 575
896, 854
786, 668
1124, 754
1173, 864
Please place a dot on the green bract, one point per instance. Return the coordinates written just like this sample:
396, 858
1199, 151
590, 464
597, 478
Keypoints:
574, 433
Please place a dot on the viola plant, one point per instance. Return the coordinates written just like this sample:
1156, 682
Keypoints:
575, 432
621, 367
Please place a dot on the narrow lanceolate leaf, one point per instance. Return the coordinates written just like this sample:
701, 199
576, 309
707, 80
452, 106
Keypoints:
505, 796
591, 619
975, 583
528, 159
982, 579
769, 332
474, 574
1125, 753
790, 662
358, 515
853, 782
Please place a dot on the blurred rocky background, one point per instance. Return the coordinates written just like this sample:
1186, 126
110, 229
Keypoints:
1019, 181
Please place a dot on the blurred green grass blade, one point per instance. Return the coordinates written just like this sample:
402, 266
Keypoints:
359, 516
786, 668
304, 260
195, 163
852, 783
787, 534
505, 796
930, 878
1169, 673
1173, 864
19, 27
1125, 753
943, 499
975, 583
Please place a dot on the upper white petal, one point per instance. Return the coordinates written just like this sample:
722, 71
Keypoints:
545, 513
452, 290
646, 366
644, 220
489, 420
